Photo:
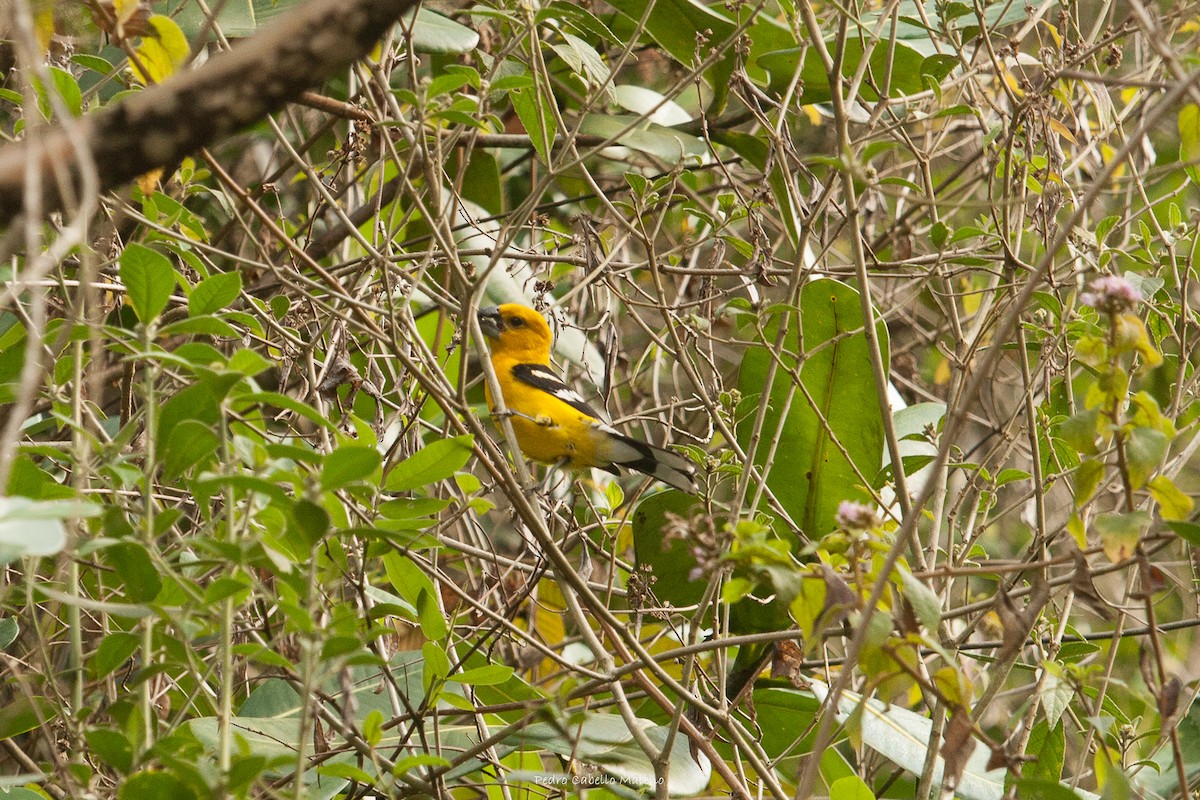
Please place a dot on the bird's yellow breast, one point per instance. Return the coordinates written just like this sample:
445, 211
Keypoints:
547, 429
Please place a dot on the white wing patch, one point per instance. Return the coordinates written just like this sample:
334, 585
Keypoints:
568, 395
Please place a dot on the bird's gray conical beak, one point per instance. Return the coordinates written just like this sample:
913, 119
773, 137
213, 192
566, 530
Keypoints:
490, 321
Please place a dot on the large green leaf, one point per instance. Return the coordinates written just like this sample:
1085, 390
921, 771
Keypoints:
830, 443
149, 280
675, 25
895, 69
534, 111
670, 145
687, 29
671, 563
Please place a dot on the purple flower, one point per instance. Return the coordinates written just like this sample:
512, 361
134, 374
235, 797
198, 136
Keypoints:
1111, 295
856, 516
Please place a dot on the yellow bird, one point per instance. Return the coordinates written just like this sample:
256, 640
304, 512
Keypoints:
552, 422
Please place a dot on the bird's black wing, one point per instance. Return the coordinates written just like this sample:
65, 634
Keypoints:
542, 377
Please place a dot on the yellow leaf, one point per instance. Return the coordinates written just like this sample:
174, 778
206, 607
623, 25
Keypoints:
941, 373
1107, 153
970, 300
1011, 81
124, 11
160, 54
1075, 528
1063, 131
953, 686
808, 604
1120, 533
149, 181
1173, 504
1053, 33
43, 26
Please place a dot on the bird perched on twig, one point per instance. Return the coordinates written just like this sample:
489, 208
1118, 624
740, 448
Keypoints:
552, 422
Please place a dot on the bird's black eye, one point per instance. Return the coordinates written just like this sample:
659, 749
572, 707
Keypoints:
515, 322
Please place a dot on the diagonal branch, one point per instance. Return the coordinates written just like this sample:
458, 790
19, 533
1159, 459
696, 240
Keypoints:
159, 126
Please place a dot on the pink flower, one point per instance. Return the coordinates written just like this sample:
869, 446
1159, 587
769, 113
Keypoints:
1111, 295
856, 516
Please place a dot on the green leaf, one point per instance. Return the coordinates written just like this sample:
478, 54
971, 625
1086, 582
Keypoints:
199, 326
135, 569
533, 109
154, 786
1045, 751
634, 132
850, 788
115, 650
189, 444
1144, 451
1189, 141
809, 604
416, 587
938, 234
22, 714
445, 84
249, 362
347, 464
1085, 480
671, 565
1079, 431
1188, 531
96, 64
1041, 789
675, 25
436, 34
226, 587
816, 467
437, 663
434, 462
311, 521
9, 629
148, 278
433, 621
896, 68
586, 63
67, 89
20, 793
491, 675
271, 698
214, 293
112, 746
923, 600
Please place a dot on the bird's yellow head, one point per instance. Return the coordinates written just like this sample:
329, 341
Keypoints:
517, 331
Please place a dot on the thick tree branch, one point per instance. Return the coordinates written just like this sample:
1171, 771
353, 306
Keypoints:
164, 123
